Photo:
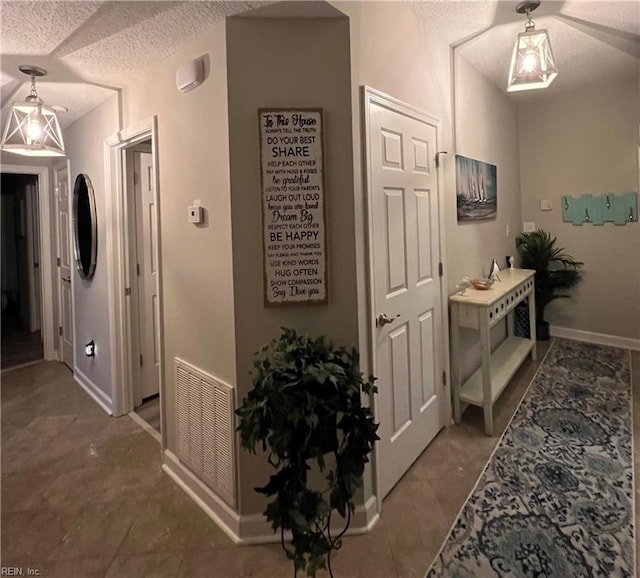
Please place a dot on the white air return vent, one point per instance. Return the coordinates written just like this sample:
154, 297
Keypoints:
206, 430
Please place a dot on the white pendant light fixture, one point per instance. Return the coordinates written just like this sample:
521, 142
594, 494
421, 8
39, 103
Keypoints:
532, 63
32, 128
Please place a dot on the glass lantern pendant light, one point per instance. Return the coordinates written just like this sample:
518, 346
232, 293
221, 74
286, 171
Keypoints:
532, 63
32, 128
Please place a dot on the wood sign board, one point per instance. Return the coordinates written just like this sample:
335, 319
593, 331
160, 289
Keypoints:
293, 207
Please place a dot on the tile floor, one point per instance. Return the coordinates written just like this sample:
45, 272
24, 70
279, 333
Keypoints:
149, 411
83, 495
19, 345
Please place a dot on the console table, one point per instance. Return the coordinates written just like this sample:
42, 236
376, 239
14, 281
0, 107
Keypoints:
481, 310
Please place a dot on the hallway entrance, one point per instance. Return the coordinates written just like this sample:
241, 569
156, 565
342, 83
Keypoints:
21, 285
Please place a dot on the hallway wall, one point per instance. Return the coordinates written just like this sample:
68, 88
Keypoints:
84, 144
274, 63
587, 142
486, 129
193, 164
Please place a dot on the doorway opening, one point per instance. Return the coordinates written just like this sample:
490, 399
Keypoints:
143, 258
134, 241
21, 282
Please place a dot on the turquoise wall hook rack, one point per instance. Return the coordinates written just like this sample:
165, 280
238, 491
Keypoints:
620, 208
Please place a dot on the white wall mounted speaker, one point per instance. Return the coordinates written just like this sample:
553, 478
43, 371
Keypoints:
190, 75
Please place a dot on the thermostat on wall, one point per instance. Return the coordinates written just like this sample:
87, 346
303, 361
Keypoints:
195, 214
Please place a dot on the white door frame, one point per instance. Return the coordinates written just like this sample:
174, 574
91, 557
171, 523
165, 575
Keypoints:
47, 256
372, 96
119, 265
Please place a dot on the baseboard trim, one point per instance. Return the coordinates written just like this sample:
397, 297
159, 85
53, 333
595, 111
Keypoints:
22, 365
214, 507
256, 529
145, 426
99, 396
597, 338
250, 529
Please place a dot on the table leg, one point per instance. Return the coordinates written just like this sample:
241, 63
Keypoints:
532, 323
485, 350
455, 363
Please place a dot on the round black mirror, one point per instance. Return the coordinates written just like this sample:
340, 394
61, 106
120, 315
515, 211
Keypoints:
85, 228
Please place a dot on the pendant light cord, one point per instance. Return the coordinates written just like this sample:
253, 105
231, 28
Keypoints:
530, 24
33, 94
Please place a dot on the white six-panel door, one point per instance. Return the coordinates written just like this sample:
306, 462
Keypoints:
64, 268
147, 270
406, 288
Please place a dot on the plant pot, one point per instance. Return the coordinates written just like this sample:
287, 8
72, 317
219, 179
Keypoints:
542, 330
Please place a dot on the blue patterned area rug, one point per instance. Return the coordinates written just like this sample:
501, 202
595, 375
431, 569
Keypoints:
556, 499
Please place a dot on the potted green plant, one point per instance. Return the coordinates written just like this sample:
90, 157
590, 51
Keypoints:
306, 411
556, 271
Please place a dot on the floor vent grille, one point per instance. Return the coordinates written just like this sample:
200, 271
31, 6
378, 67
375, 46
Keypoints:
206, 430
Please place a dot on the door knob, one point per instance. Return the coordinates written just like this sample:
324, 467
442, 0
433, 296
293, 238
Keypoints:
383, 319
67, 279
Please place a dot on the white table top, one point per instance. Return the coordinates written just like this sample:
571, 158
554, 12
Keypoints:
509, 279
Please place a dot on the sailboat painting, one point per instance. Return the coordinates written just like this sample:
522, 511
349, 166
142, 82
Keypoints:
476, 189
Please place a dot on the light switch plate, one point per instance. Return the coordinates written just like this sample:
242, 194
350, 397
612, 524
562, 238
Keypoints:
528, 227
546, 205
195, 214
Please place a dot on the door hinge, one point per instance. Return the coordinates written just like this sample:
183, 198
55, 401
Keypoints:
440, 269
60, 331
127, 291
58, 261
444, 378
140, 360
135, 178
138, 269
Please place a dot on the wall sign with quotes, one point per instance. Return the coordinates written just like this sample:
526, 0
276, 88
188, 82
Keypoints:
293, 206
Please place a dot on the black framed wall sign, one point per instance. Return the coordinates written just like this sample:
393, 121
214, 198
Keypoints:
293, 206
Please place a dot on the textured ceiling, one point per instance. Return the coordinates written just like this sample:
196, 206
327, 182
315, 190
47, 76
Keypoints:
92, 47
592, 41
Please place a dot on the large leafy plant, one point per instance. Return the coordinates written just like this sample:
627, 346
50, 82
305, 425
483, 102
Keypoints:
556, 271
305, 410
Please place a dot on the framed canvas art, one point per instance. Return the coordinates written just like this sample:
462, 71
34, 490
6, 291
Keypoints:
476, 189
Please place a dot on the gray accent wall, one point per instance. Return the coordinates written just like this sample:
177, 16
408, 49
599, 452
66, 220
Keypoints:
577, 143
273, 63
